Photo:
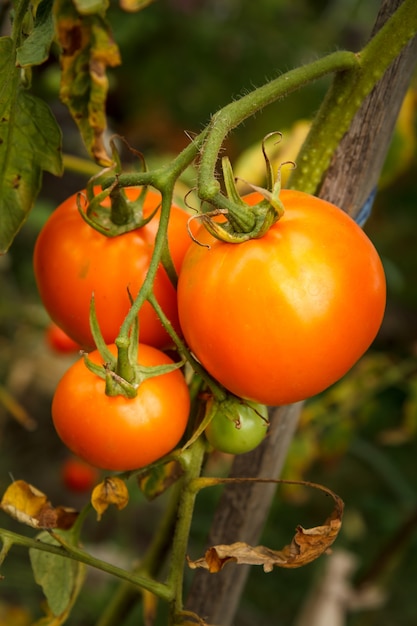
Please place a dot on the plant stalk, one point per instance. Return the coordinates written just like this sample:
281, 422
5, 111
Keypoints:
192, 461
236, 112
161, 590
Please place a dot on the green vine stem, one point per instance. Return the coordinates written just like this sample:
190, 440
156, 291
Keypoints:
217, 391
125, 595
160, 243
346, 94
192, 460
236, 112
161, 590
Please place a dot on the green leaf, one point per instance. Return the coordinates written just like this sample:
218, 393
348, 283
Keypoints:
30, 141
35, 49
60, 578
87, 50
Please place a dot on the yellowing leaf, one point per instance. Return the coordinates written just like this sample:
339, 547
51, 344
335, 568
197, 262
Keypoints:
88, 7
28, 505
110, 491
158, 479
87, 50
306, 546
30, 141
134, 5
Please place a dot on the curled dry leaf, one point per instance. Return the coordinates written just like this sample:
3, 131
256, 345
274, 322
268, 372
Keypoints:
110, 491
306, 546
28, 505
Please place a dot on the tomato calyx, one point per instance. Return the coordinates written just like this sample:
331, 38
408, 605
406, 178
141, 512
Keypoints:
231, 407
244, 222
122, 374
123, 215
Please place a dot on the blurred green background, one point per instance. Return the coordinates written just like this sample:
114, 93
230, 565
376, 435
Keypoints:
183, 60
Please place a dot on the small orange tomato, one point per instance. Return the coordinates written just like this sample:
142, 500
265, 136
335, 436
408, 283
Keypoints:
119, 433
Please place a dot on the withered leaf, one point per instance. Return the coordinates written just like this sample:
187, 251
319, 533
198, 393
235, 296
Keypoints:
157, 479
87, 50
306, 546
26, 504
110, 491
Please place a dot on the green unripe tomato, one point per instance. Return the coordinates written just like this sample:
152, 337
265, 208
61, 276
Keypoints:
238, 426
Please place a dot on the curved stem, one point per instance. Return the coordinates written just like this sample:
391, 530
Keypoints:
236, 112
214, 387
160, 242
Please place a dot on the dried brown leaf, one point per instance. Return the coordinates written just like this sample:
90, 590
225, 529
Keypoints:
110, 491
26, 504
306, 546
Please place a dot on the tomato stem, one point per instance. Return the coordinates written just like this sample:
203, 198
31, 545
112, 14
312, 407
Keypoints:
217, 391
192, 460
68, 551
236, 112
150, 564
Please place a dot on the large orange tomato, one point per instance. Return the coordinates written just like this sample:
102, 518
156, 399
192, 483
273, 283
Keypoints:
280, 318
118, 433
72, 261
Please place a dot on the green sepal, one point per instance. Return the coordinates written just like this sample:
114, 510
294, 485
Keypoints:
99, 342
243, 221
124, 215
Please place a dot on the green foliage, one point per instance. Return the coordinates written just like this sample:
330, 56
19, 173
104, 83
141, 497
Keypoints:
35, 48
30, 141
61, 579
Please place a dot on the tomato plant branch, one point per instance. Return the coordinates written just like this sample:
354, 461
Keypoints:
126, 594
215, 388
346, 95
160, 242
164, 177
161, 590
192, 459
236, 112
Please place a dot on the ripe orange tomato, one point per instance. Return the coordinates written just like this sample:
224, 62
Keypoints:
72, 261
280, 318
118, 433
